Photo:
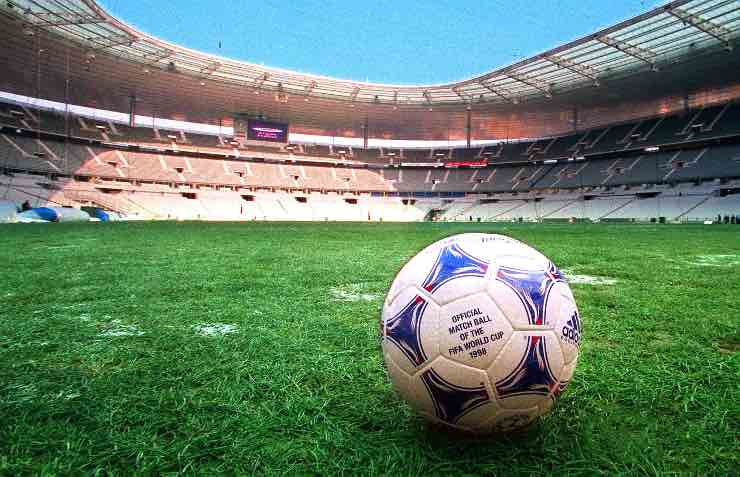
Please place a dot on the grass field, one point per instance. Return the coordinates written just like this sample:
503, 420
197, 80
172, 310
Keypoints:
253, 348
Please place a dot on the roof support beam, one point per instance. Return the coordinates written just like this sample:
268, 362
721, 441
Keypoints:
103, 43
498, 92
310, 87
428, 97
162, 56
704, 25
579, 68
56, 19
280, 95
641, 54
259, 81
212, 68
531, 81
354, 93
456, 90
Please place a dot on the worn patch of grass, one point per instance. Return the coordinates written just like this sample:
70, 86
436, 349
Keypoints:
104, 365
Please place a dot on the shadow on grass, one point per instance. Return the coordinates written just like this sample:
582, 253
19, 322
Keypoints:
521, 451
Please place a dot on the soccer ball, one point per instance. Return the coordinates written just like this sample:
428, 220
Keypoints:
481, 333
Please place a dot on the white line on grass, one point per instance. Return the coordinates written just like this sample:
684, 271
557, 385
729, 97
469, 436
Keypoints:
214, 329
719, 260
351, 292
117, 328
588, 279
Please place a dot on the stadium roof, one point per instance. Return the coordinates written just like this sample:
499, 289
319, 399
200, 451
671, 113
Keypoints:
650, 42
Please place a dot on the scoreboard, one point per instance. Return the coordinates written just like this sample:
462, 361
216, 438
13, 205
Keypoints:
259, 130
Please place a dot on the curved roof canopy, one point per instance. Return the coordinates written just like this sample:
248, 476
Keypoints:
651, 41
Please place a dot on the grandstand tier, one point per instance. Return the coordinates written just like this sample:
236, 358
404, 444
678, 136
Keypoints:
592, 129
641, 170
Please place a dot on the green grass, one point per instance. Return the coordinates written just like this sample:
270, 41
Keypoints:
102, 370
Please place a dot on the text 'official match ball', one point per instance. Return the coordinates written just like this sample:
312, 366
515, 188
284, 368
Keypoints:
481, 333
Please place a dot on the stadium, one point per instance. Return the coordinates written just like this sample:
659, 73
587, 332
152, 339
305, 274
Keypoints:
197, 248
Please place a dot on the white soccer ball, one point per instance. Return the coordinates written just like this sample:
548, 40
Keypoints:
481, 333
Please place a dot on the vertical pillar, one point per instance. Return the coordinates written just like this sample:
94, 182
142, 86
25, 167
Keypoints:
575, 119
132, 111
468, 125
365, 133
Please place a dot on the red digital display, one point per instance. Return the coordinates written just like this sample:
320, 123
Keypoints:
466, 164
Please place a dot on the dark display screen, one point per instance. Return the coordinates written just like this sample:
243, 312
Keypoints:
267, 131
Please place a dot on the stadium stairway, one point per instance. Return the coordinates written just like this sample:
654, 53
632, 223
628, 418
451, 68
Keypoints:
558, 209
120, 205
456, 210
621, 206
694, 207
507, 213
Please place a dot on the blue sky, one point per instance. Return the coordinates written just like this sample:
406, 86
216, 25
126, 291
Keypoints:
399, 42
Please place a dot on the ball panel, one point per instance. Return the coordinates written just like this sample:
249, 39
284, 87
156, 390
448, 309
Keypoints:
522, 289
496, 242
546, 405
410, 335
521, 258
565, 378
454, 289
568, 293
461, 395
486, 247
399, 378
414, 271
499, 247
408, 387
504, 246
527, 370
509, 303
567, 374
446, 269
455, 272
472, 331
507, 420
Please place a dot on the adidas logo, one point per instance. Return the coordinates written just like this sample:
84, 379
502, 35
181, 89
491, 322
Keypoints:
574, 322
572, 329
